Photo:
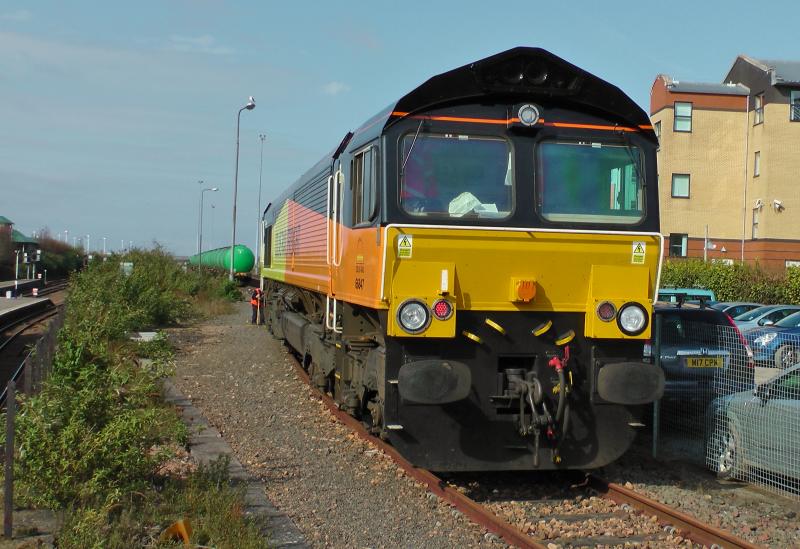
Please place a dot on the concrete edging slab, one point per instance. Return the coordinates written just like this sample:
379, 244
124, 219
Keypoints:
206, 445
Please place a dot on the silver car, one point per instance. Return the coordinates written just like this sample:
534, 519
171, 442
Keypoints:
757, 431
764, 316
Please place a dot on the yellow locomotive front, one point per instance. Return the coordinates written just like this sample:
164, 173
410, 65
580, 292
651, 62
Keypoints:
492, 255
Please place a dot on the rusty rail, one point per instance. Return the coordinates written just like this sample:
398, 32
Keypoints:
690, 527
473, 510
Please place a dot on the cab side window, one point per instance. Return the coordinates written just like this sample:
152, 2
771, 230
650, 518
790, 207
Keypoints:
267, 257
363, 182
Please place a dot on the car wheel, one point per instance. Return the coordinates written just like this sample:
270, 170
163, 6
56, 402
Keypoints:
725, 454
786, 355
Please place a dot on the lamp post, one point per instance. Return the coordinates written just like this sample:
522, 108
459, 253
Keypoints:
200, 239
199, 220
262, 137
251, 104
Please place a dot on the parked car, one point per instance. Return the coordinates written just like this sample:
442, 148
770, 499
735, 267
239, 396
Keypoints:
758, 428
735, 308
702, 353
764, 316
670, 295
777, 345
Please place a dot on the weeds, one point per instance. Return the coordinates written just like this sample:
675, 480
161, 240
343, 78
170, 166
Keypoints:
210, 504
86, 440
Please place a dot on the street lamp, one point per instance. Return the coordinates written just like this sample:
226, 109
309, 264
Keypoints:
251, 104
199, 182
262, 137
200, 237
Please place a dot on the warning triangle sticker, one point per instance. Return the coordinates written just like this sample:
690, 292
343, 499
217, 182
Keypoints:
638, 249
405, 242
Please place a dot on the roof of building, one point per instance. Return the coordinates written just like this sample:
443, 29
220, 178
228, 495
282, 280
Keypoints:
5, 221
20, 238
783, 72
706, 87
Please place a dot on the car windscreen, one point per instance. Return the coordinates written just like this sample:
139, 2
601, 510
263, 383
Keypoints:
754, 314
691, 326
589, 182
791, 321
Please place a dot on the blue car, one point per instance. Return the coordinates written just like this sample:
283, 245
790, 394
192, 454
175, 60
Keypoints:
777, 345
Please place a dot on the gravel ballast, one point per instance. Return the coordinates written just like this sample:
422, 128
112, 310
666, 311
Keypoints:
338, 489
342, 492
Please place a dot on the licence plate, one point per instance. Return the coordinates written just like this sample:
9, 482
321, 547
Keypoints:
704, 362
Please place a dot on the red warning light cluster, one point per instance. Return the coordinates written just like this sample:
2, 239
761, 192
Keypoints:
442, 309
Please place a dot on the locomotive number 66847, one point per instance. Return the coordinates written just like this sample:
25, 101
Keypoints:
472, 270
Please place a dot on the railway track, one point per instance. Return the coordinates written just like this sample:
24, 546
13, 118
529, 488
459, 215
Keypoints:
9, 334
575, 510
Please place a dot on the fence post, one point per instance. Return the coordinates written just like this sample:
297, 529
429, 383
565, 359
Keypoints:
8, 511
27, 383
656, 338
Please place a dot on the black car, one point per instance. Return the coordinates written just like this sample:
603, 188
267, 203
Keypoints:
701, 351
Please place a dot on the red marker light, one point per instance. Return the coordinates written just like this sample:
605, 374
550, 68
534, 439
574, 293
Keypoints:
442, 309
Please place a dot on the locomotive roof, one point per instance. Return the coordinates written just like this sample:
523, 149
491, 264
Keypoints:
518, 74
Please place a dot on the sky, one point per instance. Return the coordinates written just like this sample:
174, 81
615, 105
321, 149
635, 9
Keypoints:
112, 113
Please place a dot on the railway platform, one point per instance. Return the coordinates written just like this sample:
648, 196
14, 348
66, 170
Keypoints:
21, 285
12, 309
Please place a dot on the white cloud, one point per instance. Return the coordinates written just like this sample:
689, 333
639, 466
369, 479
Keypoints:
18, 16
198, 44
335, 88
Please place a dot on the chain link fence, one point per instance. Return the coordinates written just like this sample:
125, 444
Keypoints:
731, 400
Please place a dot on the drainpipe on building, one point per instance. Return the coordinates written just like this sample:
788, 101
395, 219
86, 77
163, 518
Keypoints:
746, 159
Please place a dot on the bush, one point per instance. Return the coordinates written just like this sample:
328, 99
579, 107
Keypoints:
735, 282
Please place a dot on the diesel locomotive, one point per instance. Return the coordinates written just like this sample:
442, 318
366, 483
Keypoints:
472, 271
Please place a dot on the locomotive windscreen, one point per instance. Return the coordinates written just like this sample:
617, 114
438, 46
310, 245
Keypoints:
451, 175
585, 182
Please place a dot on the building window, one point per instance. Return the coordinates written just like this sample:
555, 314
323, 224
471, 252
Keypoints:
794, 106
683, 117
678, 244
759, 110
657, 131
757, 164
756, 212
680, 185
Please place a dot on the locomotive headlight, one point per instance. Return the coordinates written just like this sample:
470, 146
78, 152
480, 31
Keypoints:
632, 319
413, 316
528, 115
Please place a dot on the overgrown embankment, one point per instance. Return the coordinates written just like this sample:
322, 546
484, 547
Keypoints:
735, 282
94, 438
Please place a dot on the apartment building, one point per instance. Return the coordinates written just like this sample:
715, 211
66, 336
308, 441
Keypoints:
729, 164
